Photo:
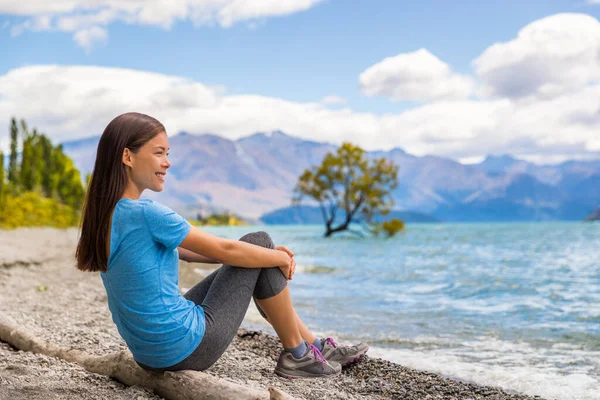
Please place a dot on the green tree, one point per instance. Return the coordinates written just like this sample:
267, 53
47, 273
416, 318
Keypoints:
47, 181
37, 162
26, 171
69, 186
13, 175
350, 182
1, 175
24, 129
32, 162
44, 187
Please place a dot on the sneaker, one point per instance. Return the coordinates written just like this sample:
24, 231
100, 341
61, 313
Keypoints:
344, 355
310, 365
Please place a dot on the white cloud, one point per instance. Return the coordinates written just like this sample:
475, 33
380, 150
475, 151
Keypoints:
548, 57
70, 102
83, 15
414, 76
34, 7
333, 99
471, 160
36, 24
73, 23
240, 10
87, 37
539, 96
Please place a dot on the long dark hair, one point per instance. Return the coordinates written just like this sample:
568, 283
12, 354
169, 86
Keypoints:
108, 183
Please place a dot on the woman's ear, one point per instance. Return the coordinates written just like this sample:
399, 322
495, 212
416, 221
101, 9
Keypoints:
127, 158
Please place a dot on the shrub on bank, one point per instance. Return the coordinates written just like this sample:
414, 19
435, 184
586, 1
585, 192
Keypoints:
31, 209
218, 220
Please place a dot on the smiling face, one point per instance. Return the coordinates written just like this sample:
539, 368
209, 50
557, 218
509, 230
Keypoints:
148, 166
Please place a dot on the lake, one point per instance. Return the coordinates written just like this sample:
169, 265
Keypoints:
513, 305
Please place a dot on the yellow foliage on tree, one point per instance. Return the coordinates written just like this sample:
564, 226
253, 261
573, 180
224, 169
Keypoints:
390, 228
32, 209
348, 181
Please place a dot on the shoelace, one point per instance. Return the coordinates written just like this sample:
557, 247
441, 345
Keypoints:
318, 356
343, 350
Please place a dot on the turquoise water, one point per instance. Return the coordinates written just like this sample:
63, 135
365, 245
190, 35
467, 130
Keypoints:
511, 305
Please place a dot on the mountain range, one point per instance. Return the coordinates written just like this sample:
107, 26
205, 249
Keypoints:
595, 216
254, 176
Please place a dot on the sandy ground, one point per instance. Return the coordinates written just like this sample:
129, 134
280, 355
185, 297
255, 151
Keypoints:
41, 289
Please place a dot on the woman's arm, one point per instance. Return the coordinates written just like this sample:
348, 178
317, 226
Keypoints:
234, 252
190, 256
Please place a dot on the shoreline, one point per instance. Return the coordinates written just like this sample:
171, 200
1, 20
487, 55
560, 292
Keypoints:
41, 290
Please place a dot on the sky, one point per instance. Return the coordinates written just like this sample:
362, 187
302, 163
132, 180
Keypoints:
455, 79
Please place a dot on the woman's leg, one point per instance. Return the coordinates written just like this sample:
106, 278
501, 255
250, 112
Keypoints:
306, 334
283, 318
332, 351
225, 295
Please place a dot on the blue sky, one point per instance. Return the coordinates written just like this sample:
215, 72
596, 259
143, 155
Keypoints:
300, 57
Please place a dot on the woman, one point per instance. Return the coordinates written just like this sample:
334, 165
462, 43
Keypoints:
136, 243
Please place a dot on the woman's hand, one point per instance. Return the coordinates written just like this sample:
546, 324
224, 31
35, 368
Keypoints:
289, 266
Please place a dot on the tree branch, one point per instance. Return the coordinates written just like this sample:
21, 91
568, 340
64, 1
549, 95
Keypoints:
358, 204
180, 385
333, 210
324, 213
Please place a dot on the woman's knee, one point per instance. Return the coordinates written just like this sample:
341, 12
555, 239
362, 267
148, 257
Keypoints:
274, 275
259, 238
270, 283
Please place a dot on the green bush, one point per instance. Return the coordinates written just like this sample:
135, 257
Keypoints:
32, 209
389, 228
219, 219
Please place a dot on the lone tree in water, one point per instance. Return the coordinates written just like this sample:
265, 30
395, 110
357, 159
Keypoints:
359, 187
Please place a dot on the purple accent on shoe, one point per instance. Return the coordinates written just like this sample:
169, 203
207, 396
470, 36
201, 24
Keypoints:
351, 361
311, 365
318, 356
343, 355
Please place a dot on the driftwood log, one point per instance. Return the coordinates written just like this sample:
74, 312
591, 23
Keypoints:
181, 385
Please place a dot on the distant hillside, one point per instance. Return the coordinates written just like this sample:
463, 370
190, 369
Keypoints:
311, 215
255, 175
595, 216
508, 165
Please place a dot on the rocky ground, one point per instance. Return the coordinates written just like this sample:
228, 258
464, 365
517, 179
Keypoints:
41, 290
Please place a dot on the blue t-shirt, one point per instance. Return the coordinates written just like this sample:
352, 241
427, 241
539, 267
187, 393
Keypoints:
159, 325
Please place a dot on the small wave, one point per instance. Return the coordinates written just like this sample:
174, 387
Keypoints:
419, 343
540, 380
426, 289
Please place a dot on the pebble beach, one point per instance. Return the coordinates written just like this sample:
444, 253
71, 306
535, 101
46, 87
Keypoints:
41, 289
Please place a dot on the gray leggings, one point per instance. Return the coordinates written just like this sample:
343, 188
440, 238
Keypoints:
225, 296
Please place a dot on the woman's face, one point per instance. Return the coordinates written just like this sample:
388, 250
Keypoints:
149, 165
